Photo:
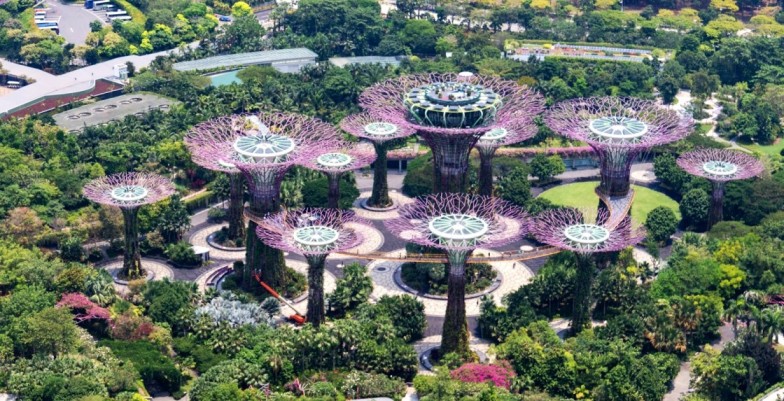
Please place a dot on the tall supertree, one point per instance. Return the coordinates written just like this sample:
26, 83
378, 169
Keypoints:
450, 112
314, 233
517, 131
198, 141
619, 130
129, 192
342, 158
381, 134
263, 147
569, 229
719, 166
458, 224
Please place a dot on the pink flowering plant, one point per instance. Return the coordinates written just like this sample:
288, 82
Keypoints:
498, 375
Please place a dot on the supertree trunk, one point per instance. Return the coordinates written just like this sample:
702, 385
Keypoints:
581, 313
132, 259
615, 172
316, 311
717, 204
333, 197
454, 337
450, 161
259, 257
380, 195
486, 172
236, 206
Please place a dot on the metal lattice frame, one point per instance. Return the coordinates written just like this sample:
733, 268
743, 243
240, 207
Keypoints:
450, 141
619, 130
342, 158
263, 147
516, 131
458, 224
129, 191
719, 166
314, 233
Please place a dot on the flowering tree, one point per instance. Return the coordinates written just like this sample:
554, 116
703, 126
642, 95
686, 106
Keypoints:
83, 308
129, 191
571, 230
314, 233
333, 162
263, 147
619, 130
451, 112
381, 134
458, 224
499, 376
719, 166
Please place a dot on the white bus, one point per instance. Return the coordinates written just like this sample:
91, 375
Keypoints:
121, 18
111, 14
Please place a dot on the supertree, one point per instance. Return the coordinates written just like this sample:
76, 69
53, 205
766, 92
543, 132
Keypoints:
458, 224
619, 130
572, 230
719, 166
198, 142
381, 134
517, 130
450, 112
129, 192
333, 162
314, 233
263, 147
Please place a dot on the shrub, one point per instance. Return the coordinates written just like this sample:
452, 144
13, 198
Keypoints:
351, 290
202, 354
367, 385
406, 313
154, 367
476, 373
315, 193
217, 214
181, 254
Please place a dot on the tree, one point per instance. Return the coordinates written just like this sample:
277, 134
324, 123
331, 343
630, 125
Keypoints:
23, 225
419, 35
48, 332
173, 220
95, 26
694, 207
241, 9
546, 167
730, 6
515, 187
661, 223
351, 291
315, 193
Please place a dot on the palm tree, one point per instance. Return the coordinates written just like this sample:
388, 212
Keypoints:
771, 322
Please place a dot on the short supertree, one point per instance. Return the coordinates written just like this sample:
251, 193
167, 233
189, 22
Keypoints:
572, 230
263, 147
342, 158
450, 112
198, 142
129, 192
719, 166
314, 233
619, 130
516, 131
382, 134
458, 224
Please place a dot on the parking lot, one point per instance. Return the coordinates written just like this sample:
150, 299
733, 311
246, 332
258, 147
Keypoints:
74, 20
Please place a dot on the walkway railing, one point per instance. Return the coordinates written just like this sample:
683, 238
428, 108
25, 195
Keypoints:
618, 206
403, 256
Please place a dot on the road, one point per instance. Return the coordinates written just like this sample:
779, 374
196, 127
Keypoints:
74, 20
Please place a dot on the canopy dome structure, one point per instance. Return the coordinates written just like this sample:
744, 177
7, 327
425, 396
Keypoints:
262, 147
450, 112
343, 157
129, 191
315, 233
719, 166
572, 230
618, 129
458, 224
381, 134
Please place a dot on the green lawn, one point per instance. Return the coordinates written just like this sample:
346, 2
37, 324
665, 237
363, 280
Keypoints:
582, 195
770, 150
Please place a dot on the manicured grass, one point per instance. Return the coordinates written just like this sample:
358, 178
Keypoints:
770, 150
582, 195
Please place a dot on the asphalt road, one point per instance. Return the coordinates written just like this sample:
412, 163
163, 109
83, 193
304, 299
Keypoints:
74, 20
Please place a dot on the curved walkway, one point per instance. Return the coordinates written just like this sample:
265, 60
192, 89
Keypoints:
199, 238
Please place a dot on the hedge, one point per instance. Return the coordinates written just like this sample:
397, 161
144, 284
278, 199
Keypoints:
153, 366
136, 14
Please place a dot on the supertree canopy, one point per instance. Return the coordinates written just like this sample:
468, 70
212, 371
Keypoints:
516, 131
263, 147
314, 233
458, 224
719, 166
333, 162
450, 112
129, 191
381, 134
619, 130
571, 230
198, 142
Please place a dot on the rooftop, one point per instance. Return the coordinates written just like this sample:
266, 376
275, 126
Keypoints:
383, 60
109, 110
299, 56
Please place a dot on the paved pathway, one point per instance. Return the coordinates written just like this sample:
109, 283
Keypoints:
199, 238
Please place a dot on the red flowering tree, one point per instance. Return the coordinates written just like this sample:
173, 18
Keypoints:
83, 308
499, 376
